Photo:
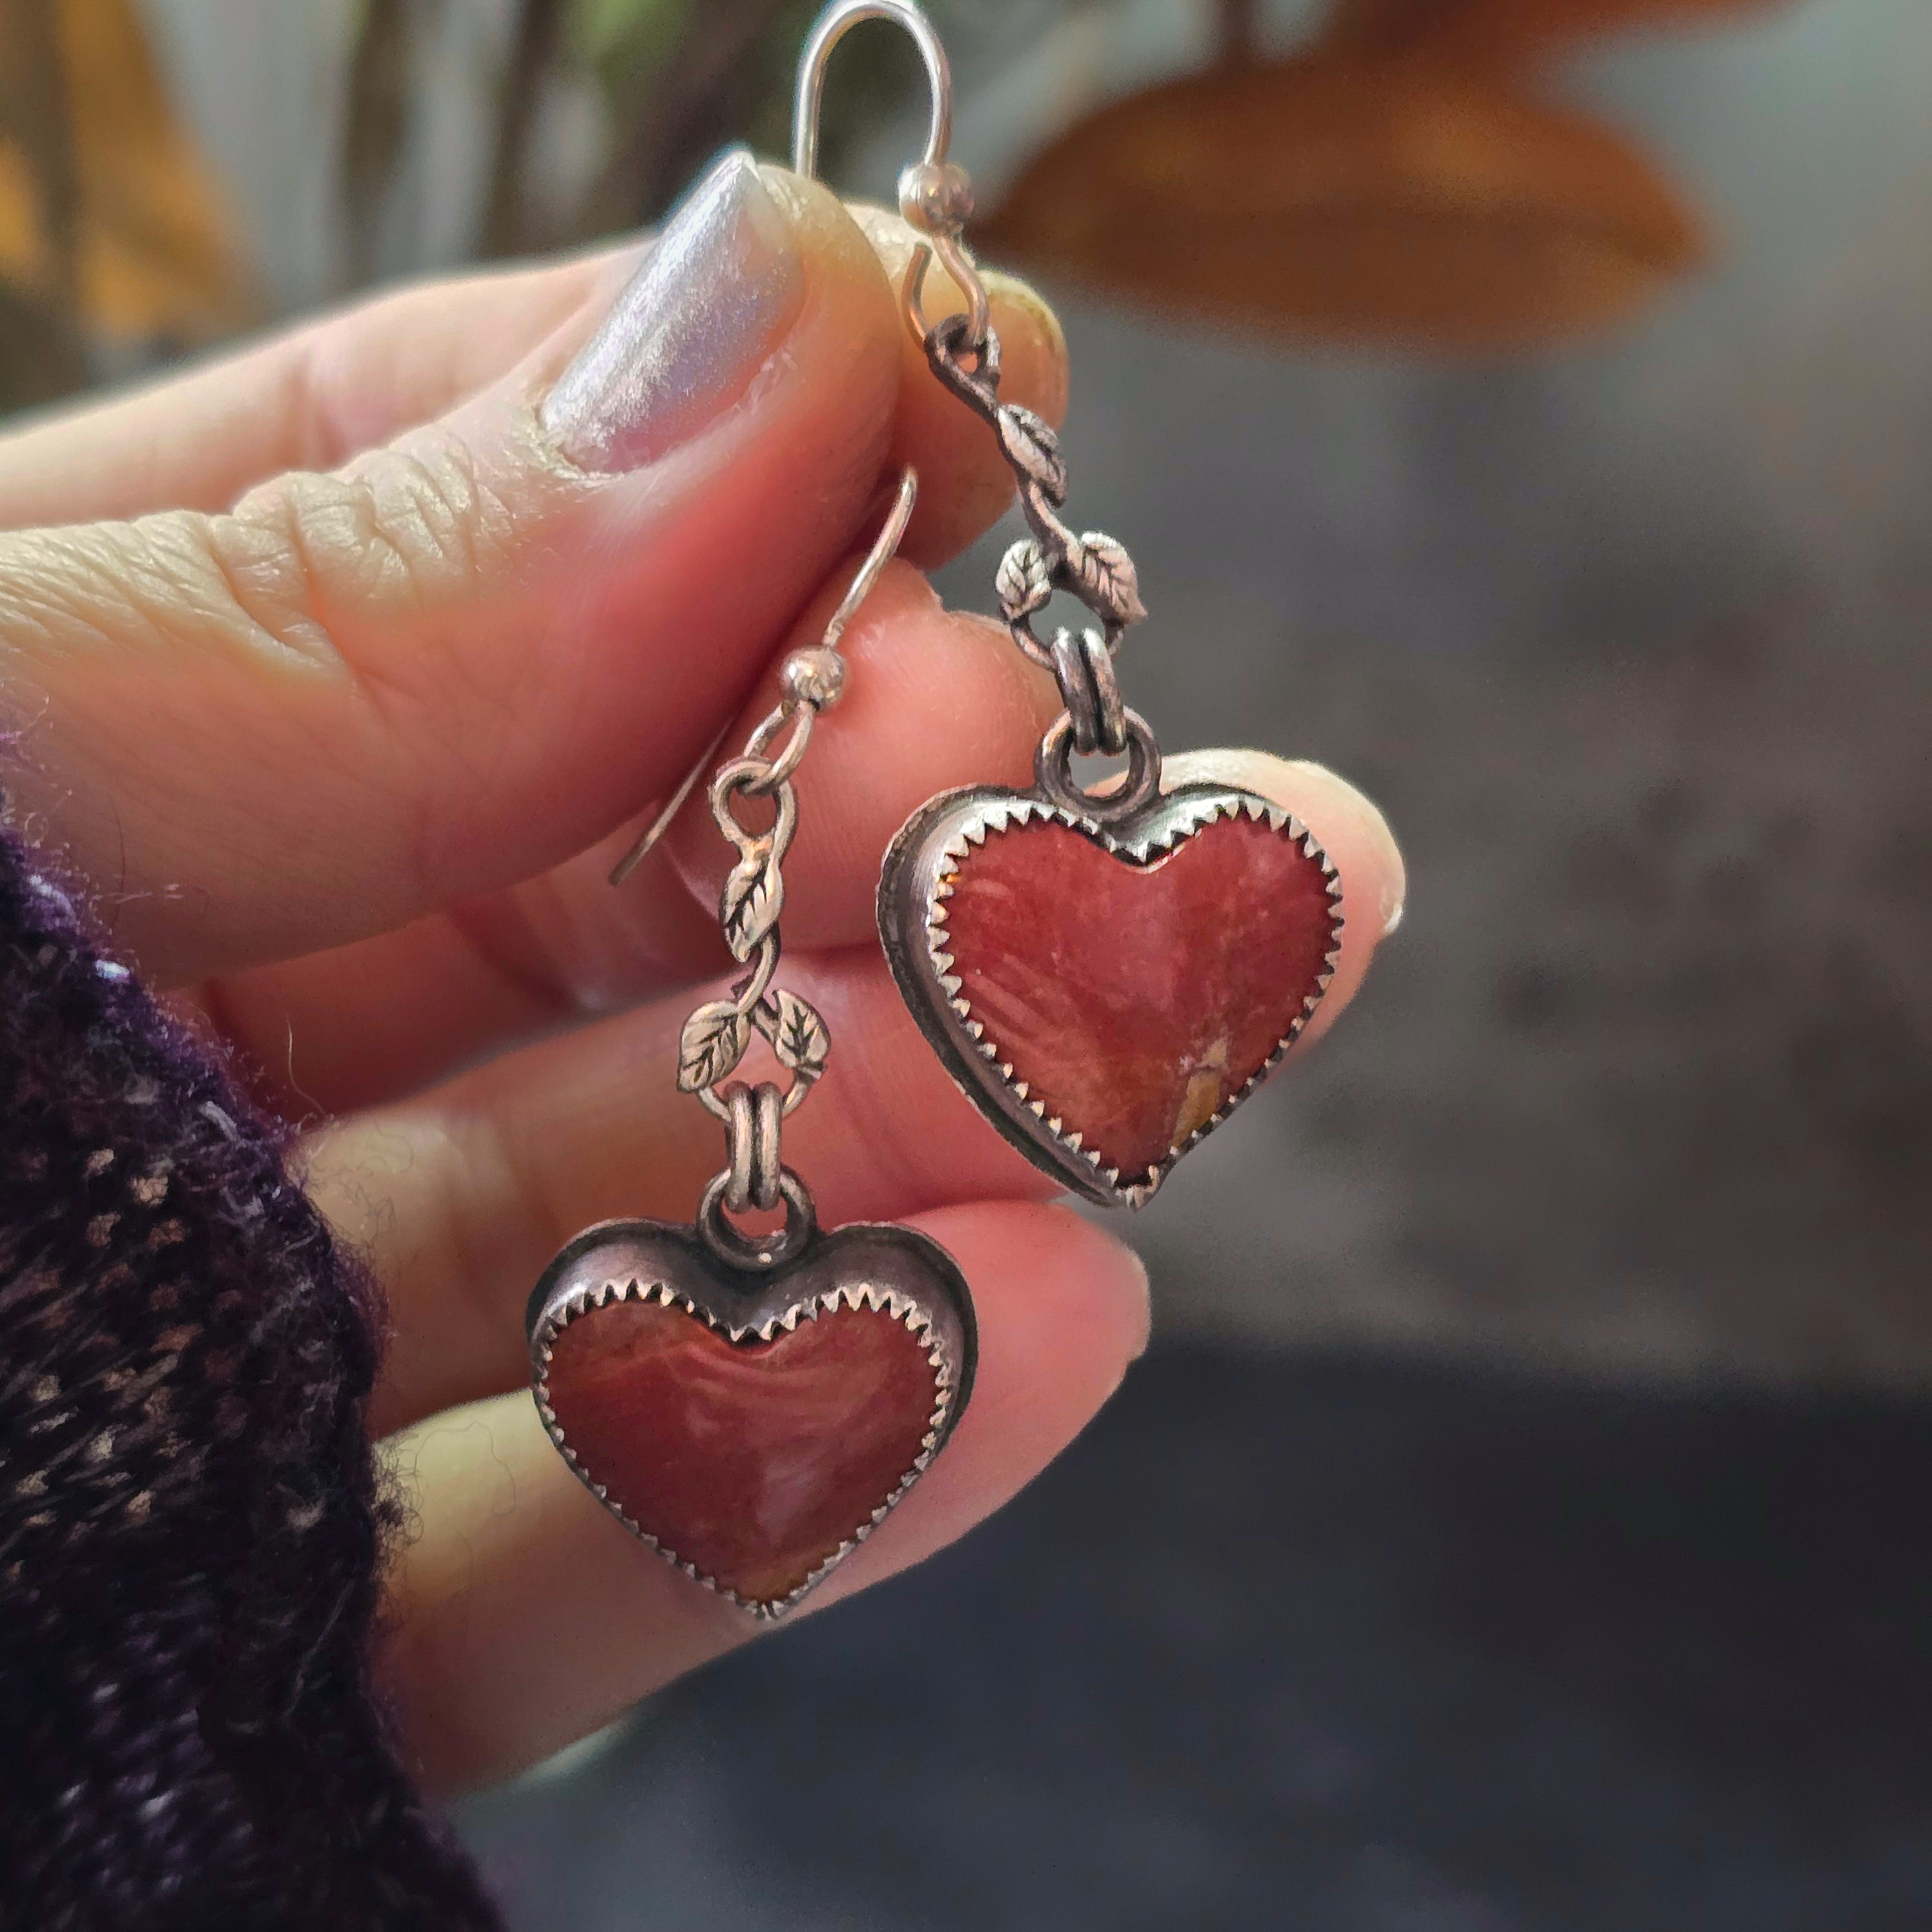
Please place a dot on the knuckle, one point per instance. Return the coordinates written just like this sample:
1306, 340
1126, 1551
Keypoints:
361, 552
324, 567
159, 581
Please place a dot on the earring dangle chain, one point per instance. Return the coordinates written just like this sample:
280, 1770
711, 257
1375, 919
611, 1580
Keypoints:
1091, 566
717, 1036
935, 197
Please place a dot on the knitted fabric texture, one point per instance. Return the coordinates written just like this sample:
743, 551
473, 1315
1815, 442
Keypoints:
189, 1520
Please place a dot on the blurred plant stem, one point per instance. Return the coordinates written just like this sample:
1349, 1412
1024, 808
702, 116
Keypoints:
679, 79
1240, 36
379, 73
42, 354
533, 55
704, 89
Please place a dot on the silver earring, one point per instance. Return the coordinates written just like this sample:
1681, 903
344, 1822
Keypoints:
753, 1406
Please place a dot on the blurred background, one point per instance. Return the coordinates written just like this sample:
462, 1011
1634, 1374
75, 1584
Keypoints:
1525, 406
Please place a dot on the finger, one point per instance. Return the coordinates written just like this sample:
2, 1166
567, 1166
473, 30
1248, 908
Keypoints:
286, 713
523, 1616
470, 653
461, 1197
310, 398
932, 699
314, 396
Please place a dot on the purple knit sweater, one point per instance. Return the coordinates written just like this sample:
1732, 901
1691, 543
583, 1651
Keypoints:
190, 1518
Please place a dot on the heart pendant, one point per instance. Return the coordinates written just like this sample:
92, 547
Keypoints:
1109, 985
754, 1424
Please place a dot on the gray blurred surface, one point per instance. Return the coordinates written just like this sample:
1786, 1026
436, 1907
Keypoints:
1320, 1646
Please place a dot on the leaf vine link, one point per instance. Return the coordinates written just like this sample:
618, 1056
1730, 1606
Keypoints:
1104, 574
798, 1037
712, 1043
1030, 446
753, 897
1024, 582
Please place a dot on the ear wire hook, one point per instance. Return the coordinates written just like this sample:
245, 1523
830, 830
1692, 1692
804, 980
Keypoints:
883, 546
935, 195
936, 199
877, 558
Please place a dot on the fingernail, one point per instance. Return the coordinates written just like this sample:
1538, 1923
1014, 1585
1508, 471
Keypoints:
721, 285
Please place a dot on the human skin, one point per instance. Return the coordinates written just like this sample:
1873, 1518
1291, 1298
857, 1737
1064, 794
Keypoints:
344, 667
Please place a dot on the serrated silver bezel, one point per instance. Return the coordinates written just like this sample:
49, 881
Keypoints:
892, 1270
913, 885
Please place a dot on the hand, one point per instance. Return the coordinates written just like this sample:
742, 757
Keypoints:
420, 608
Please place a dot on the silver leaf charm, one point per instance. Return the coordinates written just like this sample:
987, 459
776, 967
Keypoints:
1024, 581
798, 1037
1106, 576
753, 897
713, 1042
1031, 447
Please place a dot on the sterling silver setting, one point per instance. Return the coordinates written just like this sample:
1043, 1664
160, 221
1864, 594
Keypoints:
916, 882
890, 1271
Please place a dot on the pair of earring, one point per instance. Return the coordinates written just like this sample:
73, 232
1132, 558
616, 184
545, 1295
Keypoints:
754, 1406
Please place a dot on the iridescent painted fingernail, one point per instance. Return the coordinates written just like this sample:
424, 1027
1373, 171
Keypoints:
722, 285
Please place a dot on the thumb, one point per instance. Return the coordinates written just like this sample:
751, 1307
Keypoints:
469, 653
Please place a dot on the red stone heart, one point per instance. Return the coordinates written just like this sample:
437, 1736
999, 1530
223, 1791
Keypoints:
755, 1456
1131, 992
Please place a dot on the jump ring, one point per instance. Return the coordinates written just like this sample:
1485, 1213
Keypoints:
751, 1142
738, 1147
767, 1110
1083, 667
758, 1251
1105, 680
1076, 693
1053, 769
779, 770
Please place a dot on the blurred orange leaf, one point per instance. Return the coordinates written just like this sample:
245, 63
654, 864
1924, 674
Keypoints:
1498, 33
1360, 200
150, 251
